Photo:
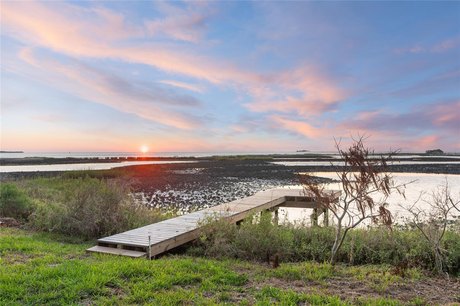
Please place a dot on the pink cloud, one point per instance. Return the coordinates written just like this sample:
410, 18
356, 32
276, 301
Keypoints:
299, 127
187, 24
425, 142
303, 91
183, 85
101, 87
65, 30
447, 115
443, 114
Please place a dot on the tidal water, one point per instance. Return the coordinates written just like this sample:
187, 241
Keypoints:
417, 184
84, 166
131, 154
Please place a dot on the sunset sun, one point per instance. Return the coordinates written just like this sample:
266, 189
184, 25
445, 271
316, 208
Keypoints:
144, 149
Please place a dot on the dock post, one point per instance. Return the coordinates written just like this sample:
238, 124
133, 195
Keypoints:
326, 217
150, 247
276, 216
314, 217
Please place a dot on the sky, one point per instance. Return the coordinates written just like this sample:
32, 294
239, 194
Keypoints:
229, 76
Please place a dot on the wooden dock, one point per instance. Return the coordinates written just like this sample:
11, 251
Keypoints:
154, 239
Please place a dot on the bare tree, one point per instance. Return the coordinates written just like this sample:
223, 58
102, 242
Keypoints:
433, 222
362, 176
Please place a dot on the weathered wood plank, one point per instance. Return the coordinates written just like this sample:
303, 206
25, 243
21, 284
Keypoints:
115, 251
174, 232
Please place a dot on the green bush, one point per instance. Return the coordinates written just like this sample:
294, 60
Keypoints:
401, 247
86, 207
261, 239
311, 243
48, 216
216, 239
255, 239
14, 202
451, 243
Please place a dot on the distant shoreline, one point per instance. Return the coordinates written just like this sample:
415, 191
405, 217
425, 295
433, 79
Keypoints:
11, 152
230, 167
81, 160
307, 157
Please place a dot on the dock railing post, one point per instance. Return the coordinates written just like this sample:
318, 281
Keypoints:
314, 217
150, 246
326, 217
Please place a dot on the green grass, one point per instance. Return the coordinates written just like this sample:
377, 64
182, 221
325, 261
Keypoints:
43, 268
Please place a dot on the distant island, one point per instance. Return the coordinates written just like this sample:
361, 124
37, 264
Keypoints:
298, 151
435, 152
11, 151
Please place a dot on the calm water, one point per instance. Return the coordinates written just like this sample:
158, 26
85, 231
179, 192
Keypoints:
85, 166
131, 154
340, 163
426, 183
174, 154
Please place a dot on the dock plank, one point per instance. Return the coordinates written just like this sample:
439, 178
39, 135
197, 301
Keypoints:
168, 234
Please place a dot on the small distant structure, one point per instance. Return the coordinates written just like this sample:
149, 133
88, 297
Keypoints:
434, 152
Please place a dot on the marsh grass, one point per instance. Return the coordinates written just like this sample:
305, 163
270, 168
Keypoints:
85, 207
402, 248
14, 203
51, 269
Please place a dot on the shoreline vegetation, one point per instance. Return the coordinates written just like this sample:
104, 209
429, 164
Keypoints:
43, 259
46, 268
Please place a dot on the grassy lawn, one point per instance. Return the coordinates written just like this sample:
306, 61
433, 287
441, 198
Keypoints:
40, 268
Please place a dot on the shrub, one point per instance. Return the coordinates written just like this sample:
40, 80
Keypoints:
87, 207
14, 202
261, 239
216, 240
48, 216
311, 243
451, 243
402, 247
255, 239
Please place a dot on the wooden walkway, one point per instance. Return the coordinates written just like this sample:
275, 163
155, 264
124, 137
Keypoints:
152, 240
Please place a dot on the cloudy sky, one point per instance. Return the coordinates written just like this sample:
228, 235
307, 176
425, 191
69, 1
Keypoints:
229, 76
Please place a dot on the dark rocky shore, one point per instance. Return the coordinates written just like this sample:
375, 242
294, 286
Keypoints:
203, 183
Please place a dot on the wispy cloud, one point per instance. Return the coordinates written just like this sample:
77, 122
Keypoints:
439, 47
299, 127
65, 30
181, 23
183, 85
304, 91
433, 84
442, 115
105, 88
51, 118
310, 81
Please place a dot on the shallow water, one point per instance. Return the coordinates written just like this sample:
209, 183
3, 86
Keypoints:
86, 166
426, 183
341, 163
